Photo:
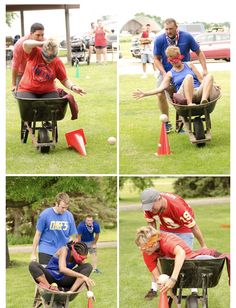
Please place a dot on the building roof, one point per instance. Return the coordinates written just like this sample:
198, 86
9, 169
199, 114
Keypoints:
135, 24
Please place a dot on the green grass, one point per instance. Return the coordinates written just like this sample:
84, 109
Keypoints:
140, 132
135, 279
20, 286
105, 236
130, 194
97, 117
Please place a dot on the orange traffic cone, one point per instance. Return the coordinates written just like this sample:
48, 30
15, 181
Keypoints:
76, 139
163, 301
90, 303
163, 146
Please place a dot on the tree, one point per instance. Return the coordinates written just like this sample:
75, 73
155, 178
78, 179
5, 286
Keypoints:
139, 183
193, 187
10, 17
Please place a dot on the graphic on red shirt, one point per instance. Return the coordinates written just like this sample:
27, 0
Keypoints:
178, 217
39, 76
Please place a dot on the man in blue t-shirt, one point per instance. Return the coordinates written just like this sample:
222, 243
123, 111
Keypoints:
54, 228
185, 42
88, 232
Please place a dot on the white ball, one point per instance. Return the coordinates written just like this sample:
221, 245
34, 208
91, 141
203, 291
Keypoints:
111, 140
163, 278
89, 294
164, 117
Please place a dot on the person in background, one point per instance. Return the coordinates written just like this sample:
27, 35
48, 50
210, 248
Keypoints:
19, 57
88, 233
186, 42
54, 228
146, 41
101, 42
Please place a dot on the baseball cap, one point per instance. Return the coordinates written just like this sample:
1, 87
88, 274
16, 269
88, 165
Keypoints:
148, 197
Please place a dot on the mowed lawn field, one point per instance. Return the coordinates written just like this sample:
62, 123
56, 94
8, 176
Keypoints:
97, 117
135, 279
140, 129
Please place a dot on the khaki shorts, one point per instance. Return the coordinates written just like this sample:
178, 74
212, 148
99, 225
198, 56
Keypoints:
197, 93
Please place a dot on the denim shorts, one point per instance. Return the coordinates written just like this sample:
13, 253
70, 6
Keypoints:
146, 58
187, 237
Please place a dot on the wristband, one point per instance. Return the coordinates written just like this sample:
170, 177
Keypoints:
72, 87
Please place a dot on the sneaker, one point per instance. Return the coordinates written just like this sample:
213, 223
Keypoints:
144, 75
169, 127
97, 271
150, 295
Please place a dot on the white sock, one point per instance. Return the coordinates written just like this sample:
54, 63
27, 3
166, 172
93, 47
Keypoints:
154, 286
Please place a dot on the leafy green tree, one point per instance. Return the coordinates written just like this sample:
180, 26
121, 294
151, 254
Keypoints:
139, 183
198, 187
10, 16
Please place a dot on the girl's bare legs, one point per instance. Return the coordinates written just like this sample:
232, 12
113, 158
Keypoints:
207, 88
188, 88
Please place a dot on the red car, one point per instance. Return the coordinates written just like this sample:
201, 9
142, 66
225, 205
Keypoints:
215, 45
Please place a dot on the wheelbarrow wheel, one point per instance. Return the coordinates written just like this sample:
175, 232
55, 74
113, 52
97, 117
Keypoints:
191, 301
199, 130
43, 137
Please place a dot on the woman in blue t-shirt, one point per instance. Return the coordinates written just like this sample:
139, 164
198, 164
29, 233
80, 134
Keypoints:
65, 268
186, 78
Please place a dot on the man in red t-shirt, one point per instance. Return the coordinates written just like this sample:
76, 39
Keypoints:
155, 244
174, 215
19, 57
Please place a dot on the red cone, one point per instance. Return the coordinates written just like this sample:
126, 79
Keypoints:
90, 303
163, 301
163, 146
76, 139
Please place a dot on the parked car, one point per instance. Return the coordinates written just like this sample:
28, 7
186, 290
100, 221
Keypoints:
111, 41
135, 48
215, 45
194, 29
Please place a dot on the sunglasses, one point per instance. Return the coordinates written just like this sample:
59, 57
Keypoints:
175, 59
151, 242
47, 56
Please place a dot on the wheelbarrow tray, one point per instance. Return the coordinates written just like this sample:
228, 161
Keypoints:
193, 270
41, 109
195, 110
59, 296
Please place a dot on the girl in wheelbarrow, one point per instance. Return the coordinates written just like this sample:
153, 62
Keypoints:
155, 244
42, 68
65, 268
187, 81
